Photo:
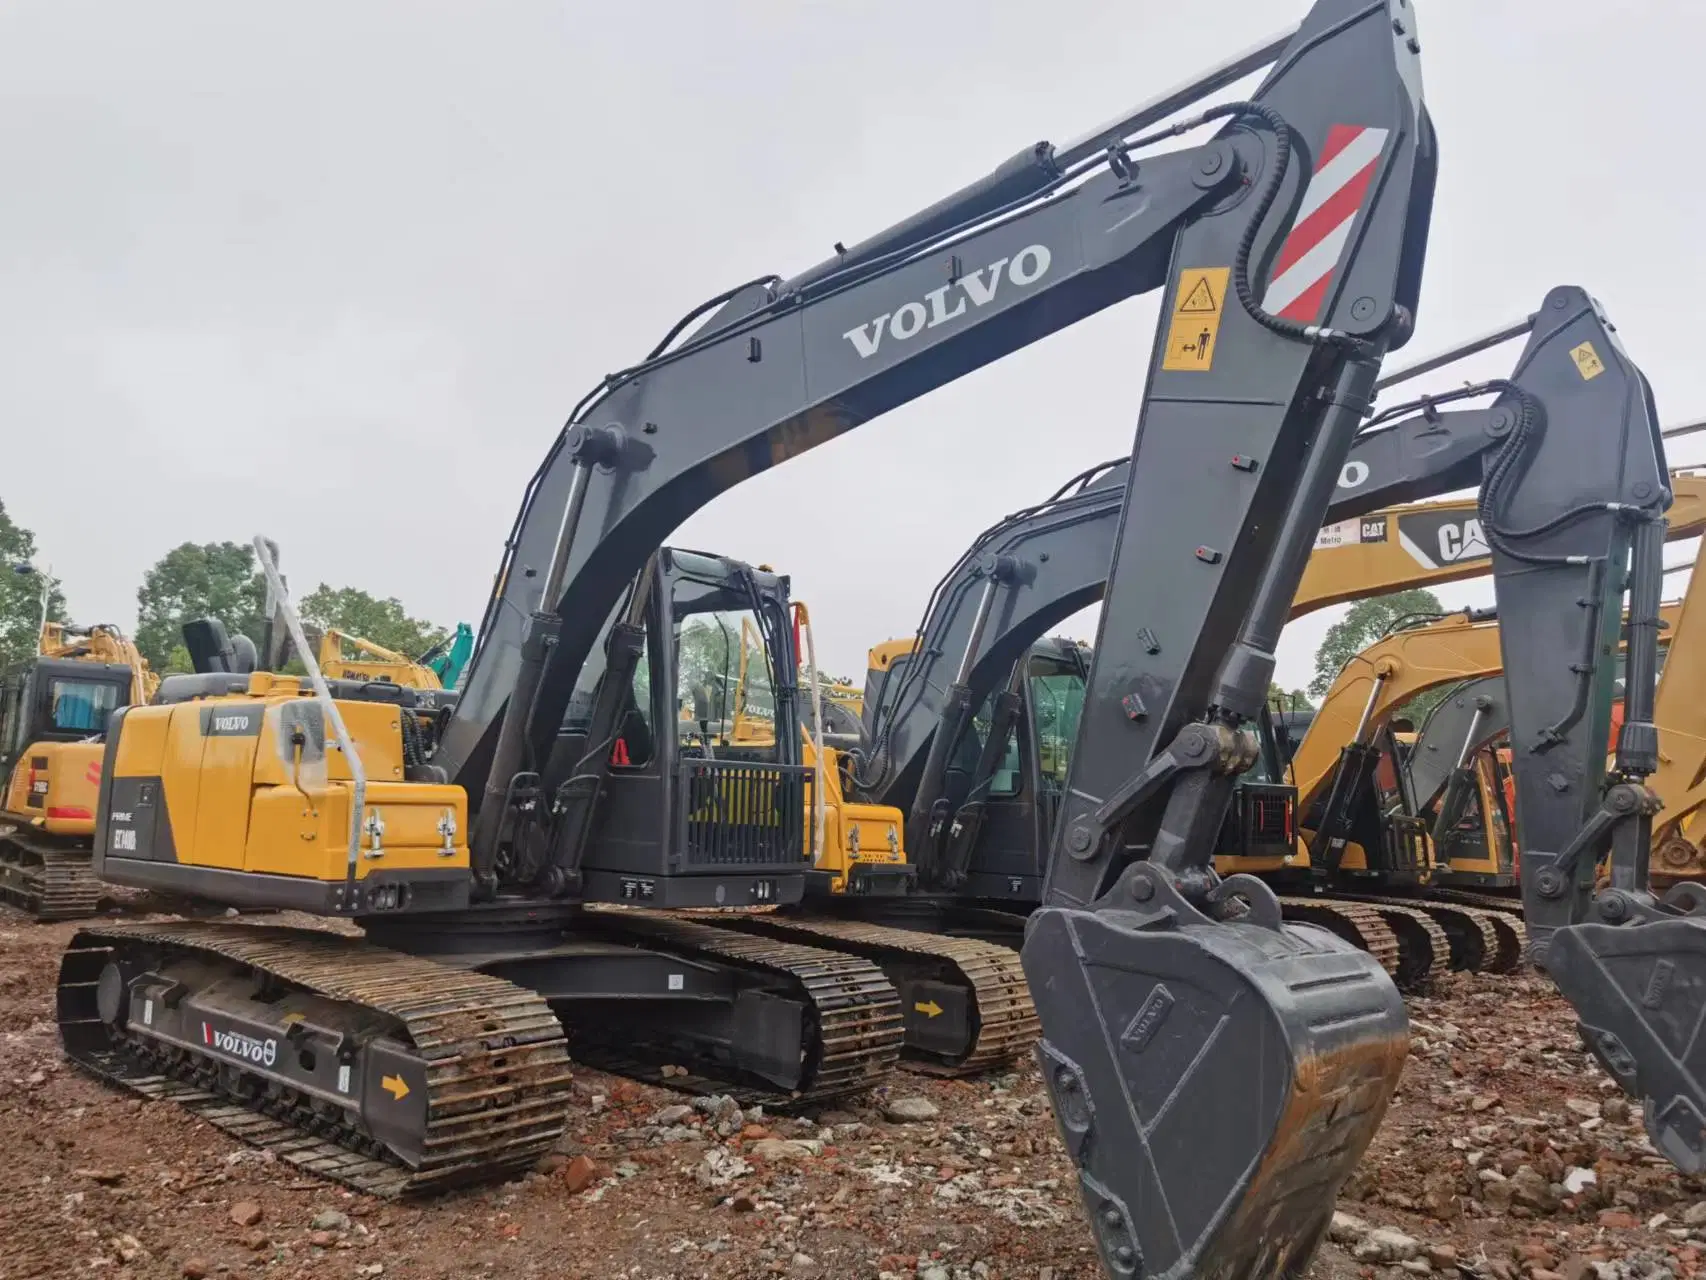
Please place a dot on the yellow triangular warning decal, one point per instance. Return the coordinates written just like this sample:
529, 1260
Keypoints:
1200, 298
1587, 360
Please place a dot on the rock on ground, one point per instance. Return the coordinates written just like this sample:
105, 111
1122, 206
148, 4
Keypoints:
931, 1180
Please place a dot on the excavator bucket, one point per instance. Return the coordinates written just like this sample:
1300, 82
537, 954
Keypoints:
1248, 1065
1640, 997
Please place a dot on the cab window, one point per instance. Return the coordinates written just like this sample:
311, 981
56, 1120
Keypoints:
81, 706
727, 693
1005, 781
1058, 702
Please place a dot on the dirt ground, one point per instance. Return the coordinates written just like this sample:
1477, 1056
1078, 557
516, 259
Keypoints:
1507, 1154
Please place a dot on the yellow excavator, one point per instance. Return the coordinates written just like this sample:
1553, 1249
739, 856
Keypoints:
1362, 832
349, 657
53, 715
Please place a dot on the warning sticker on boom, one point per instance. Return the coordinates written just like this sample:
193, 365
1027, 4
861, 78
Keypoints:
1588, 363
1195, 328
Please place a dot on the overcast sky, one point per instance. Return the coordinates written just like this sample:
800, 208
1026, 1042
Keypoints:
336, 272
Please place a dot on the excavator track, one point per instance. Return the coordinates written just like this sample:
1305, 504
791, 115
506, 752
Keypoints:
488, 1056
966, 1005
1469, 898
1482, 941
1357, 923
857, 1028
1509, 933
1424, 949
47, 880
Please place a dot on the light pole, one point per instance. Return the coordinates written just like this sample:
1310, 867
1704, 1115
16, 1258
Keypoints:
24, 569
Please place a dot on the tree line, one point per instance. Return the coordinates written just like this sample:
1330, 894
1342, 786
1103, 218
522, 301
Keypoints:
197, 580
221, 580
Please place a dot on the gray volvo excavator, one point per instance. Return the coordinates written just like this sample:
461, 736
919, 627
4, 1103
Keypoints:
516, 865
1215, 1072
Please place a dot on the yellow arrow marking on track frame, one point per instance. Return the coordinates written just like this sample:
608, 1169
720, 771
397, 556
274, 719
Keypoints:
929, 1008
396, 1086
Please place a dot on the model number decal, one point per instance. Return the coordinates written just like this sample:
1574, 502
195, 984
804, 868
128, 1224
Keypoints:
238, 1045
124, 840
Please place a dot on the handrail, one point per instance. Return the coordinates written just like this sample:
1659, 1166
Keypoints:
322, 695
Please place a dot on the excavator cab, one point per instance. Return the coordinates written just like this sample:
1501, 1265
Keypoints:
1015, 789
53, 714
1261, 821
48, 706
697, 744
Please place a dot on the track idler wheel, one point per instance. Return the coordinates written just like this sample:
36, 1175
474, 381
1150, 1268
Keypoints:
1639, 992
1214, 1082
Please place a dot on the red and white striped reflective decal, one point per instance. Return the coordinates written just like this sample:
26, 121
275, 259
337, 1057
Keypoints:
1343, 172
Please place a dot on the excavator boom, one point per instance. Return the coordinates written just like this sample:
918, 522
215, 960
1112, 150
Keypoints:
1288, 248
1054, 236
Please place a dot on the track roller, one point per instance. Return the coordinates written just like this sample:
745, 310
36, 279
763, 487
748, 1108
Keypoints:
1424, 951
851, 1033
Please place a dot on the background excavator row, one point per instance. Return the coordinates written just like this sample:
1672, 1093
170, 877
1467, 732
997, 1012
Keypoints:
983, 809
562, 859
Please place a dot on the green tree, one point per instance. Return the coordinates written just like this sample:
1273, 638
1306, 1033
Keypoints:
383, 621
1288, 699
20, 593
1366, 621
708, 663
206, 580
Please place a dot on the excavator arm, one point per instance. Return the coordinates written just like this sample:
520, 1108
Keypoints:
1477, 713
1019, 578
1572, 498
775, 367
1042, 564
1442, 542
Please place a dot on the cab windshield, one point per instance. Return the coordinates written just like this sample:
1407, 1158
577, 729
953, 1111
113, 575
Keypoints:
726, 691
82, 706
